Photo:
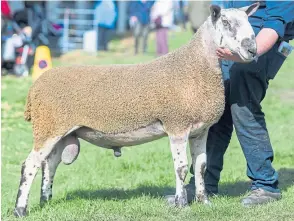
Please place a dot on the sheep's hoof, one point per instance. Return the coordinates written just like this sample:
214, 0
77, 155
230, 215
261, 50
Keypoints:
170, 199
181, 201
71, 150
203, 198
207, 203
20, 212
44, 200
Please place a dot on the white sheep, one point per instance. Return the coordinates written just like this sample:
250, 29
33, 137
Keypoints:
179, 95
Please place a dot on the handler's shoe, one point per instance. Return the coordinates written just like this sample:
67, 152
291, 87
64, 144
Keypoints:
260, 196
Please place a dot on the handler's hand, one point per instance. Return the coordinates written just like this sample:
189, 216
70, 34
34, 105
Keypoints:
226, 54
134, 19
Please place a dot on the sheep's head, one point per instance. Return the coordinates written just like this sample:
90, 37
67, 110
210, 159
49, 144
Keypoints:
233, 31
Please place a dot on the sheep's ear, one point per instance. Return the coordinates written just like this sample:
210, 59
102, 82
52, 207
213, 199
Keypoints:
251, 9
215, 12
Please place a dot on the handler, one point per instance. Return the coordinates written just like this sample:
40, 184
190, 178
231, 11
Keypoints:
245, 88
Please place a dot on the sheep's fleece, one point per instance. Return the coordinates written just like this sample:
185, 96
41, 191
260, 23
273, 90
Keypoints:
176, 89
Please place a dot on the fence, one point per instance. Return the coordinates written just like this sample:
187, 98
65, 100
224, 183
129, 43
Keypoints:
76, 22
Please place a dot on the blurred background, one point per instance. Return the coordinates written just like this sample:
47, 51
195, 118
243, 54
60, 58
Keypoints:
32, 32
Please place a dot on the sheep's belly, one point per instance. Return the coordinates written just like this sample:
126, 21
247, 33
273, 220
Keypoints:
136, 137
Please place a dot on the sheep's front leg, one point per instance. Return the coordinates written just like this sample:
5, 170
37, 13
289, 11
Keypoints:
178, 146
198, 152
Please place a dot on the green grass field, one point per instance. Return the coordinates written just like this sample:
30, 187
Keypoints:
99, 186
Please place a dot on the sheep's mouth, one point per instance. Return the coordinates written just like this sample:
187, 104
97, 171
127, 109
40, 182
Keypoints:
244, 58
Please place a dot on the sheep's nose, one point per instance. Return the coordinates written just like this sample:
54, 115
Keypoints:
252, 51
250, 45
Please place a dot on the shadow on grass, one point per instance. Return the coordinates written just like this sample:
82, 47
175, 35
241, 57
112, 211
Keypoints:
231, 189
286, 179
286, 176
120, 194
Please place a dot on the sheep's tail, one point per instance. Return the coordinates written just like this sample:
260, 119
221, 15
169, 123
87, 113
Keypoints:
27, 112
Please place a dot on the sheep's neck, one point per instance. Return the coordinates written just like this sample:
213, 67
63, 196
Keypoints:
200, 53
206, 45
196, 56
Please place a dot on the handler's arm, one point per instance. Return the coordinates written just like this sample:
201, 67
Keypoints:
265, 40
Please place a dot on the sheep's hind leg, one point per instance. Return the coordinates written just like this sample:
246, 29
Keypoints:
178, 146
28, 172
198, 152
49, 166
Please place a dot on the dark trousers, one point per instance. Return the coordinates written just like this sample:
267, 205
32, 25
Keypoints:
104, 36
245, 88
139, 31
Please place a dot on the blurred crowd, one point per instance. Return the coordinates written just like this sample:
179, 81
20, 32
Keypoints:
22, 31
30, 27
145, 16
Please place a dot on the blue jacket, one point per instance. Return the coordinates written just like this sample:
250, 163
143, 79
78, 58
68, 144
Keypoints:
106, 13
141, 10
277, 15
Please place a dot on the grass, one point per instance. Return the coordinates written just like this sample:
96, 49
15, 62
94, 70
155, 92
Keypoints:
99, 186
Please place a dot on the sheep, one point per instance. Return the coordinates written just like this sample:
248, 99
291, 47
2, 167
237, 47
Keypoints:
179, 95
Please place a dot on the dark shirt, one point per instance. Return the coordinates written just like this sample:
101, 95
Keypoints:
141, 10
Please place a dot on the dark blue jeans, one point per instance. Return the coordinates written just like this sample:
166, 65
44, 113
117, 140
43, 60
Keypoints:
245, 88
104, 36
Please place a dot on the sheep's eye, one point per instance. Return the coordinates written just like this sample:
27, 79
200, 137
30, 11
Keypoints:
225, 22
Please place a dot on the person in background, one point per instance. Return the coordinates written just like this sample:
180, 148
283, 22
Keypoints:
197, 13
139, 20
181, 13
105, 18
26, 24
162, 15
5, 10
6, 33
36, 15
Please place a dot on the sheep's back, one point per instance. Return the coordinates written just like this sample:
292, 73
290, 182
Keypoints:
107, 98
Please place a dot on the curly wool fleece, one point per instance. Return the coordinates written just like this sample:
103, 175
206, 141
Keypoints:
178, 89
